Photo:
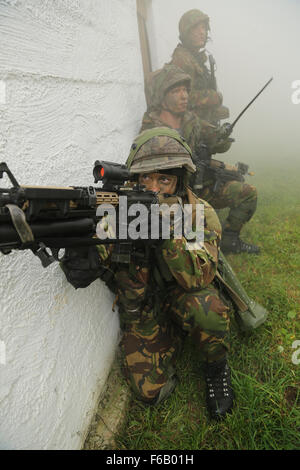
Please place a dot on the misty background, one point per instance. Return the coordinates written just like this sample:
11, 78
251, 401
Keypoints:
251, 42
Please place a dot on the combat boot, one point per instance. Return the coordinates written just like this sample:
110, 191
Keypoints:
219, 393
231, 243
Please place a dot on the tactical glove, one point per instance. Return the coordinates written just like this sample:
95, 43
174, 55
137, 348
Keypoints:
82, 266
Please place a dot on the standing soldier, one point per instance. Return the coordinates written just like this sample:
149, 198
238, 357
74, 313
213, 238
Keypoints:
167, 92
191, 57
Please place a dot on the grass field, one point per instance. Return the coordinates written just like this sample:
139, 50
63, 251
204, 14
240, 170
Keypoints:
264, 365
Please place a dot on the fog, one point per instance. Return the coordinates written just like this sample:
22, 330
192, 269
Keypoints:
251, 41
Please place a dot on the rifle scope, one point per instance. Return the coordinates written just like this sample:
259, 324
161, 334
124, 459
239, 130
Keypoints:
111, 172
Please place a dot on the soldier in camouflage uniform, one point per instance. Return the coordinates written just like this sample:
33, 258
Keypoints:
171, 290
187, 76
174, 290
167, 91
205, 99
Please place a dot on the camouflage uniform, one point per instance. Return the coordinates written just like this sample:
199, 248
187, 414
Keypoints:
173, 293
204, 99
177, 291
171, 290
240, 197
195, 131
191, 128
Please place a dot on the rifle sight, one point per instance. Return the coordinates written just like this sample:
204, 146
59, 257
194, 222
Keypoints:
114, 173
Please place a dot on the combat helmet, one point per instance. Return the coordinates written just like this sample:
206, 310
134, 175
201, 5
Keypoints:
158, 83
190, 19
160, 149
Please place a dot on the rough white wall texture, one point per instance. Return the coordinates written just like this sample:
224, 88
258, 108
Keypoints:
71, 92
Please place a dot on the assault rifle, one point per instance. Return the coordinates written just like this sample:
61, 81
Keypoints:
45, 219
42, 218
216, 168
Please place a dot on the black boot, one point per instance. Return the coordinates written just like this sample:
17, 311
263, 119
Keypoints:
219, 393
231, 243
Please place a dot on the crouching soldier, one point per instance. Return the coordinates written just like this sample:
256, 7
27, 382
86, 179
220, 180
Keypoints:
173, 291
167, 91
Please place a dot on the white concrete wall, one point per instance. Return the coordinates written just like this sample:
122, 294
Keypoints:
71, 91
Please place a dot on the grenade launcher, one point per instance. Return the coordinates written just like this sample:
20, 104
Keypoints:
42, 218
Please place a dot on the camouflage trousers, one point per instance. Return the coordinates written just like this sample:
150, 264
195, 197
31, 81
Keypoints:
152, 331
241, 198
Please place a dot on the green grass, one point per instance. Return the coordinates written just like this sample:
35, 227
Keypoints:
266, 382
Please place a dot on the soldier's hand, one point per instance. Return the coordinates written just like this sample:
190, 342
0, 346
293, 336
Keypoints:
81, 265
223, 146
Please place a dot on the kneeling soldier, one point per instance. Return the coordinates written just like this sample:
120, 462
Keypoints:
173, 291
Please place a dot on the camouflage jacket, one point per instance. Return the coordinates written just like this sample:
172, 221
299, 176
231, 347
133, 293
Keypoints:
204, 99
191, 128
196, 268
187, 268
195, 131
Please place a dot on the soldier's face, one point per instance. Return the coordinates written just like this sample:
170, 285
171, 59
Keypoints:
159, 182
176, 100
198, 35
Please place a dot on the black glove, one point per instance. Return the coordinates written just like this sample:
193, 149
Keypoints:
82, 266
